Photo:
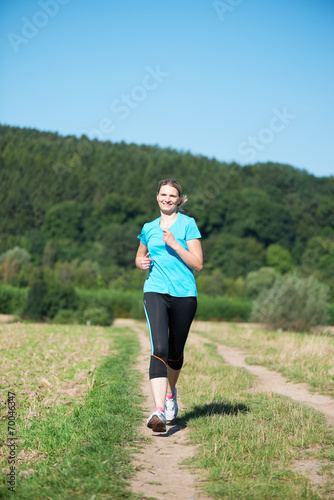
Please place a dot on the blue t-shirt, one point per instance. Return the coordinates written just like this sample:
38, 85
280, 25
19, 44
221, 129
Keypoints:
168, 273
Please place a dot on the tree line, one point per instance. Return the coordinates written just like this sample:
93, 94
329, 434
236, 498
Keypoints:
73, 207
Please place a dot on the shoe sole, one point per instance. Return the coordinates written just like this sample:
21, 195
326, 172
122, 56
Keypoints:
156, 424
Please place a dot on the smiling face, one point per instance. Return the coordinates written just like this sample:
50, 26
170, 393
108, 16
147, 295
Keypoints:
168, 199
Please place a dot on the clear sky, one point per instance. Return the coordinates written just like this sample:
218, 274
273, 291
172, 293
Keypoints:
239, 80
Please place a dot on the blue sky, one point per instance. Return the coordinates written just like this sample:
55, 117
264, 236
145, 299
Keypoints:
239, 80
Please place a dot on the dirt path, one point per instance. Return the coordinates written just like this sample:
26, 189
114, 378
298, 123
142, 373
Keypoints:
160, 475
7, 318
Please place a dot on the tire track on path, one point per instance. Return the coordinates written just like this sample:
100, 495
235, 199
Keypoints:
271, 381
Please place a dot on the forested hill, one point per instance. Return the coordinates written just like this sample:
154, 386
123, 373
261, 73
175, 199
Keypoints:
64, 198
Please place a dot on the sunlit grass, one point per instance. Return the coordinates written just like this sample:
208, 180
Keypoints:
300, 357
78, 415
247, 442
77, 410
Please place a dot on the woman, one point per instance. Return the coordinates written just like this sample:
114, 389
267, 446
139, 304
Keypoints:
170, 248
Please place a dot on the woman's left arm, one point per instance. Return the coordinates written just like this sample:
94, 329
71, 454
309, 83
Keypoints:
193, 257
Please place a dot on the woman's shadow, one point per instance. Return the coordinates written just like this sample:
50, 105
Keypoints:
222, 408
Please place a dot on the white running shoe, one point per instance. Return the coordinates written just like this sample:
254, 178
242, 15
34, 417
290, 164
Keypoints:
157, 421
171, 407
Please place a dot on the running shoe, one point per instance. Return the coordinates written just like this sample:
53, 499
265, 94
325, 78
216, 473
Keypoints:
171, 407
157, 421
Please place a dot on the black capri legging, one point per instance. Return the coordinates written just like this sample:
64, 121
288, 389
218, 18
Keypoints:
169, 320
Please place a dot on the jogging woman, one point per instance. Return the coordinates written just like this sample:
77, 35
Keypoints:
170, 248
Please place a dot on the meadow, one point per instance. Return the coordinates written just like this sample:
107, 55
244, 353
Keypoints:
77, 402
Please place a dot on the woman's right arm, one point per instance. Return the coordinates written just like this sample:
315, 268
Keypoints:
143, 260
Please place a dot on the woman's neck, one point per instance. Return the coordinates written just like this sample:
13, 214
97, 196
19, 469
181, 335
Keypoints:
167, 220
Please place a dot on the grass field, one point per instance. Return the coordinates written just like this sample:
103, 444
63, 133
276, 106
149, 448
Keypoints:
248, 442
77, 413
75, 390
301, 357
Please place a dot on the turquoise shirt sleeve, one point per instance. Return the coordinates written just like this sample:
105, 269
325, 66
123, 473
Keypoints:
192, 231
142, 236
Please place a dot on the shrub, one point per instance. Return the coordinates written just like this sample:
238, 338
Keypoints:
119, 302
46, 299
60, 297
125, 303
96, 299
11, 299
66, 317
330, 313
292, 303
217, 285
137, 310
279, 258
257, 281
223, 309
130, 305
98, 316
36, 305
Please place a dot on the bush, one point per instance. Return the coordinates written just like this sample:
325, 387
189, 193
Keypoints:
223, 309
46, 299
11, 262
126, 302
98, 316
60, 297
11, 299
66, 317
330, 314
258, 281
118, 303
218, 285
130, 305
292, 303
137, 310
279, 258
36, 305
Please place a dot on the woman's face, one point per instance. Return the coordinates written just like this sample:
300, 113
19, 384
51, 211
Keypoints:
168, 199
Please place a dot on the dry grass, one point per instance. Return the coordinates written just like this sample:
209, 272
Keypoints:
251, 445
300, 357
46, 366
73, 442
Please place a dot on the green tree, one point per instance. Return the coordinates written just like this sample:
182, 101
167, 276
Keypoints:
325, 214
279, 258
120, 244
11, 262
64, 220
18, 255
232, 255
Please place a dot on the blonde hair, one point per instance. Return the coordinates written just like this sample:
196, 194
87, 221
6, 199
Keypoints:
173, 182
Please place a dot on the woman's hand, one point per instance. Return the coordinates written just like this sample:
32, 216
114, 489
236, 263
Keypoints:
145, 262
169, 238
192, 255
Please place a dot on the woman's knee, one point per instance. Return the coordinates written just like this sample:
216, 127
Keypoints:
161, 351
158, 368
176, 364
